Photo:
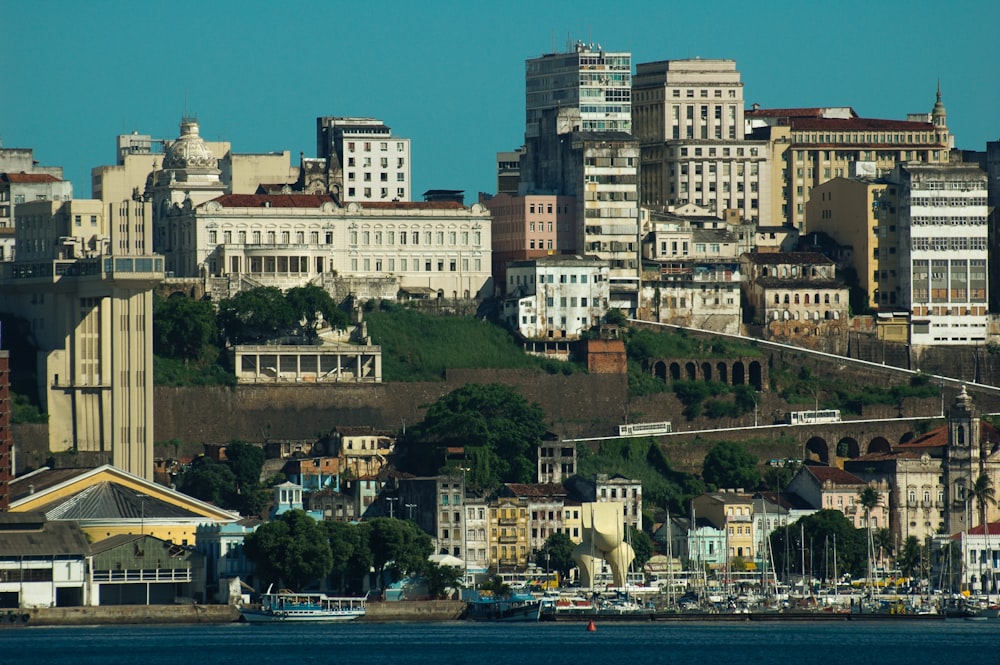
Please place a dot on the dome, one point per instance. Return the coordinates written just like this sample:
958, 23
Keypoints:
190, 150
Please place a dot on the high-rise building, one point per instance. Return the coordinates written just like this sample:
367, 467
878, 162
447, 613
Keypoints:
586, 77
688, 117
933, 251
577, 143
82, 281
365, 161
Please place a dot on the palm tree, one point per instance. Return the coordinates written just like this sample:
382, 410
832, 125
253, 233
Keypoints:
868, 498
983, 493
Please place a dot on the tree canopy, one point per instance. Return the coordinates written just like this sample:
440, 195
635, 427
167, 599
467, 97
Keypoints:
210, 481
730, 465
257, 315
399, 545
821, 530
293, 549
183, 328
560, 548
499, 429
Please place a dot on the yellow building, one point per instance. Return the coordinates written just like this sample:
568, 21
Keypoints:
509, 534
811, 146
846, 209
731, 510
108, 501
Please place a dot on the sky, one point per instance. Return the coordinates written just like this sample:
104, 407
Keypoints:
450, 75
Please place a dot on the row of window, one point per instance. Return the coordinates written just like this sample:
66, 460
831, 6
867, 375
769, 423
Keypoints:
431, 238
366, 146
948, 201
408, 265
366, 192
383, 162
366, 176
815, 299
566, 302
946, 244
961, 220
863, 137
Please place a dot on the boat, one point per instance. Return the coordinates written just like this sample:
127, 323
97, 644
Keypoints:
514, 607
288, 606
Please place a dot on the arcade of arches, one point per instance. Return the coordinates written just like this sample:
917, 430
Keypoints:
736, 372
819, 449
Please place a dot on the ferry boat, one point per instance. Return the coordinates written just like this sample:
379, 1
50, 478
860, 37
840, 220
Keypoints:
514, 607
288, 606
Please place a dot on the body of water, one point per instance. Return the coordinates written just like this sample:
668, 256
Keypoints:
951, 642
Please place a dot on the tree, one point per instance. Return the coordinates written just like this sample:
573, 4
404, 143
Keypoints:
307, 302
984, 495
642, 545
559, 549
498, 427
909, 557
210, 481
820, 528
868, 498
257, 315
730, 465
352, 557
399, 545
442, 579
183, 328
293, 549
246, 462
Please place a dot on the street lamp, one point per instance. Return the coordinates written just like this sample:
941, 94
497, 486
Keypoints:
391, 500
548, 555
409, 510
465, 531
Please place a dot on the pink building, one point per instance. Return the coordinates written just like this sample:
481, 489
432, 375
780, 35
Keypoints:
527, 227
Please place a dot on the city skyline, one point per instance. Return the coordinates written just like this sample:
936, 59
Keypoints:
83, 74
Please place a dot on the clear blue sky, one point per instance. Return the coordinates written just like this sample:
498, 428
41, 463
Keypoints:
450, 75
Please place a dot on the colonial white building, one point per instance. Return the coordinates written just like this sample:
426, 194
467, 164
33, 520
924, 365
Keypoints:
439, 248
556, 297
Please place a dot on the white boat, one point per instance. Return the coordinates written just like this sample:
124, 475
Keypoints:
288, 606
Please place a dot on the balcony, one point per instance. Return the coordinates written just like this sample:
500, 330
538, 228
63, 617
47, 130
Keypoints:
507, 540
507, 521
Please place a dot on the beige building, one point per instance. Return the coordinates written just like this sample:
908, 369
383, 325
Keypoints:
83, 280
794, 295
732, 511
688, 117
141, 158
810, 146
509, 534
847, 210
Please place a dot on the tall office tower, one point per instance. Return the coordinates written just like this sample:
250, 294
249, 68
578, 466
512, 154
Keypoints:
365, 161
578, 143
596, 82
934, 217
688, 117
6, 441
83, 281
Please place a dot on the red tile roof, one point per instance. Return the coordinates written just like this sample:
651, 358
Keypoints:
859, 124
275, 200
28, 177
979, 530
938, 437
834, 475
814, 112
536, 489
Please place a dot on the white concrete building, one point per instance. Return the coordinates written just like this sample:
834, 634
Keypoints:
556, 297
937, 213
586, 77
372, 164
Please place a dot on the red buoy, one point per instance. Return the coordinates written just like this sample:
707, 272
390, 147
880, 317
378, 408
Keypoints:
591, 627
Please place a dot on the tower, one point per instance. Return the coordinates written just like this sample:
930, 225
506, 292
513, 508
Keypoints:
963, 462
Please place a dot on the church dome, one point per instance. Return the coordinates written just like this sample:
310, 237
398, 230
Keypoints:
189, 151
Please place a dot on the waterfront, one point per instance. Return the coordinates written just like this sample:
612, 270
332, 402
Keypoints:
453, 643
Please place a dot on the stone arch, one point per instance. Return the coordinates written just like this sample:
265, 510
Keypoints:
660, 370
675, 372
739, 373
848, 447
756, 375
722, 371
879, 445
706, 371
691, 370
818, 450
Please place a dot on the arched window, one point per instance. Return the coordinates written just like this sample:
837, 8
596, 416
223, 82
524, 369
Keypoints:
826, 298
807, 298
786, 299
836, 298
796, 298
777, 299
